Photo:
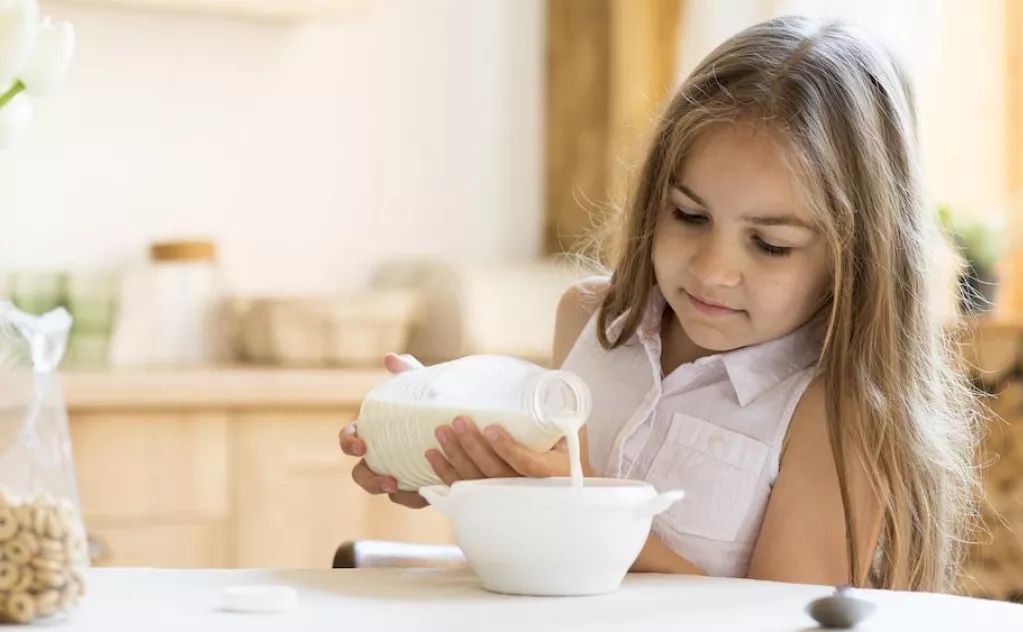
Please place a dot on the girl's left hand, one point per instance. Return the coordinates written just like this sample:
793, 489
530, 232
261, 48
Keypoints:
470, 454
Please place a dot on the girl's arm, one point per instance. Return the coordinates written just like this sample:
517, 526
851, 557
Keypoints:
803, 536
656, 557
574, 311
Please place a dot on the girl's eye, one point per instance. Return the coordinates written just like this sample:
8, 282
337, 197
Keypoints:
689, 218
772, 250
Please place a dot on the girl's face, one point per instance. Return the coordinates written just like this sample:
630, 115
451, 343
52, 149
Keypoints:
735, 251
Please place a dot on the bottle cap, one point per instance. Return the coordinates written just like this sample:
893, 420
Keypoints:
260, 598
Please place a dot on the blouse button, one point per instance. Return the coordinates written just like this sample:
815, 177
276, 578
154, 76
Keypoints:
716, 445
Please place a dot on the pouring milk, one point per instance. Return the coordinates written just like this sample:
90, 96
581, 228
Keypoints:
570, 427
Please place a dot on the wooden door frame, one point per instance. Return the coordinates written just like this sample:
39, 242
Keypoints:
609, 64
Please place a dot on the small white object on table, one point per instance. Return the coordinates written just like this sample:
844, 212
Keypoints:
451, 601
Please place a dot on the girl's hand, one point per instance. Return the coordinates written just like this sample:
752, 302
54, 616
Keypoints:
470, 454
466, 453
352, 445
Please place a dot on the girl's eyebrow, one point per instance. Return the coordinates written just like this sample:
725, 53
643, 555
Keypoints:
756, 220
690, 194
777, 220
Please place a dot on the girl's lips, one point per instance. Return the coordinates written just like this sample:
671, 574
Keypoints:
710, 308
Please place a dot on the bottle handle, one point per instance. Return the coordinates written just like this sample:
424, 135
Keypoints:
575, 384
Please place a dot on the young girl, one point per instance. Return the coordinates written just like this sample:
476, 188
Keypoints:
770, 339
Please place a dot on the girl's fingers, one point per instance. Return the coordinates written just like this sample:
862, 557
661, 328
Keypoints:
523, 460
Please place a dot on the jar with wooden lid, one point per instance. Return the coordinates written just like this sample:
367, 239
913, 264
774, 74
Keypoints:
186, 288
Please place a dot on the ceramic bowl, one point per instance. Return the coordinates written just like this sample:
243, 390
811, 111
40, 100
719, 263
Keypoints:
527, 536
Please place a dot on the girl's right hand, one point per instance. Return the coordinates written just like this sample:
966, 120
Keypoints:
352, 445
468, 453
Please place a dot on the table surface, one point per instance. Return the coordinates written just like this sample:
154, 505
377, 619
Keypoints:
451, 600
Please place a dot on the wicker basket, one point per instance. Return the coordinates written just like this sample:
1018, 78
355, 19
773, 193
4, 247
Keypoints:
354, 329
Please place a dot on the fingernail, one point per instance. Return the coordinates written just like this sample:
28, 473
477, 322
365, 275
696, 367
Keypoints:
460, 425
358, 450
492, 433
389, 487
411, 361
443, 434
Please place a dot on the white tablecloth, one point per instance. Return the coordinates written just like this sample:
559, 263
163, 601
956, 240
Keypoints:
451, 601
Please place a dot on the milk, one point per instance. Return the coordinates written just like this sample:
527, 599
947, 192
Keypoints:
570, 426
401, 433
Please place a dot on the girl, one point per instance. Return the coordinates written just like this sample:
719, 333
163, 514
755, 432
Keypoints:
770, 338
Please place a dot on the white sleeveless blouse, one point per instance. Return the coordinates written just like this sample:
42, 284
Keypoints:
713, 428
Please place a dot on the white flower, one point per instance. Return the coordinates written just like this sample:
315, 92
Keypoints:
19, 25
14, 120
55, 46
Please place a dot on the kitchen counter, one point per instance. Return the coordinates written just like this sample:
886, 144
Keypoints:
222, 387
392, 599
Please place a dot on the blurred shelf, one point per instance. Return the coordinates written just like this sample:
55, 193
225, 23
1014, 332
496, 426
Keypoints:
262, 10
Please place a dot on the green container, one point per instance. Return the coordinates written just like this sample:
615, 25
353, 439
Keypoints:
36, 291
92, 299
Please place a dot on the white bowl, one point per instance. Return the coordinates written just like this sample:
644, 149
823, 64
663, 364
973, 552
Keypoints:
527, 536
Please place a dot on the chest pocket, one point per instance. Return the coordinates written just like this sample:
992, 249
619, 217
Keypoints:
718, 469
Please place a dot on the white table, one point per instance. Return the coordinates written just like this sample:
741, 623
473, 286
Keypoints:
450, 601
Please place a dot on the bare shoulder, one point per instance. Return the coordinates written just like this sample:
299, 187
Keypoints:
576, 307
809, 474
809, 419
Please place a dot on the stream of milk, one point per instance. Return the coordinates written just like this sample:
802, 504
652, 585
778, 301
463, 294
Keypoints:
571, 426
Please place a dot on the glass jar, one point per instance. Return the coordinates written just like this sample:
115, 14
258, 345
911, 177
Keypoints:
186, 286
170, 308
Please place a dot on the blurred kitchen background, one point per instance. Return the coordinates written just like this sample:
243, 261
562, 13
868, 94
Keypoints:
245, 203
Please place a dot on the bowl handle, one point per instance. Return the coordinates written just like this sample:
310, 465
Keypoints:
660, 503
438, 496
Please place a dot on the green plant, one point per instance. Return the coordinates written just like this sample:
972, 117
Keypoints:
982, 243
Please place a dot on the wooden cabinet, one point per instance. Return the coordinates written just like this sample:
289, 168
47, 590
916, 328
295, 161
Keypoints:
158, 543
226, 469
295, 499
152, 464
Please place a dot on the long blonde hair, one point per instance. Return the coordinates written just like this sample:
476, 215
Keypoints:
898, 404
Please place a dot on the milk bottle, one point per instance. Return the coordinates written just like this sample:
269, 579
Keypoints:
535, 405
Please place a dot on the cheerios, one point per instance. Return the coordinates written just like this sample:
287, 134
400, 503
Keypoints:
42, 552
26, 581
30, 541
8, 524
52, 549
21, 607
46, 603
44, 564
25, 515
54, 525
9, 575
50, 579
17, 551
40, 518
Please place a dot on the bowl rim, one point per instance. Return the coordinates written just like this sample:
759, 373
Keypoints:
595, 491
554, 483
